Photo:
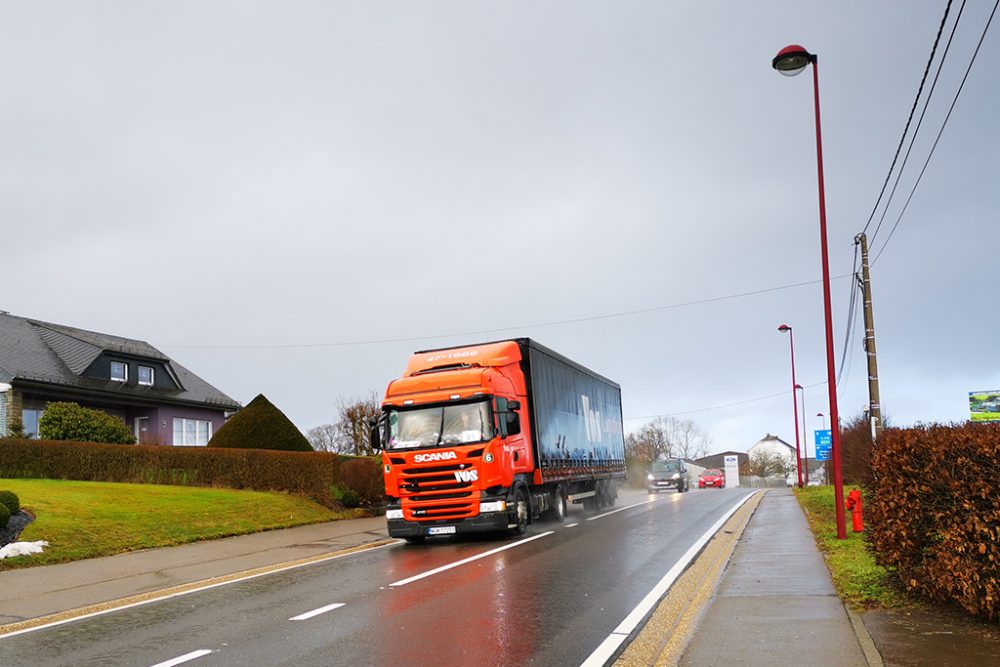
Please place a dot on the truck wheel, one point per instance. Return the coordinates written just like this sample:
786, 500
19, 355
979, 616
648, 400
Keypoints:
558, 511
522, 512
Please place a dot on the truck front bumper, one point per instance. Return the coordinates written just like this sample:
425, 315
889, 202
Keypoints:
492, 521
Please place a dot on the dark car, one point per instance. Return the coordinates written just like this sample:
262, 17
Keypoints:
667, 474
712, 477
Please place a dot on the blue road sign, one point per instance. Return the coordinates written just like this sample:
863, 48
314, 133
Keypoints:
824, 441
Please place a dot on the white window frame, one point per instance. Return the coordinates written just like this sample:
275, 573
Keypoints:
152, 375
124, 365
184, 430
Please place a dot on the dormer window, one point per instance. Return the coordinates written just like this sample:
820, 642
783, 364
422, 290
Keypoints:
146, 376
119, 371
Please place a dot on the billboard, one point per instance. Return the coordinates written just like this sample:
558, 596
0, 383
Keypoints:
984, 406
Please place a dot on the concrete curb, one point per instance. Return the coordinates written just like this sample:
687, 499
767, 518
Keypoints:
872, 655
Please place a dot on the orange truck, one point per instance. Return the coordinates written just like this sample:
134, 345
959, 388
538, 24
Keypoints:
490, 437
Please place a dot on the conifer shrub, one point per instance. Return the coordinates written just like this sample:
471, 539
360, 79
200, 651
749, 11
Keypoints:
10, 500
260, 425
4, 516
69, 421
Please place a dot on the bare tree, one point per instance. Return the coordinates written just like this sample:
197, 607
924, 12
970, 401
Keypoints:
690, 442
353, 430
323, 438
652, 442
350, 433
765, 464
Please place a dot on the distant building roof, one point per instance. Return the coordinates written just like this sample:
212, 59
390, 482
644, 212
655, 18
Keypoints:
43, 352
775, 439
719, 460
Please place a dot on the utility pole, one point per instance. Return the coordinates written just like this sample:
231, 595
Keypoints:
874, 406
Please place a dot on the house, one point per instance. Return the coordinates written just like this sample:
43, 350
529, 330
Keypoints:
163, 402
773, 445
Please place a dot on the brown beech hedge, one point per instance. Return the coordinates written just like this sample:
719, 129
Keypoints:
934, 512
311, 474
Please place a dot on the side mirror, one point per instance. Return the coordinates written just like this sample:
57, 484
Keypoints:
374, 435
513, 405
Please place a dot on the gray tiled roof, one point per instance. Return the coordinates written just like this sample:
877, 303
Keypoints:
56, 354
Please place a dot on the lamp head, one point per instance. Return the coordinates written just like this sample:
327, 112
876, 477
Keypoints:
792, 59
784, 328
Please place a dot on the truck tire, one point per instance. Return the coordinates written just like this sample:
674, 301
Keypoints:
558, 510
522, 512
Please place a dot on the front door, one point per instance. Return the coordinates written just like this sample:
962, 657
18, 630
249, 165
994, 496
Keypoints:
142, 430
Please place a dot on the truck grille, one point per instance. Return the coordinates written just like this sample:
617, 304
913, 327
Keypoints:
435, 493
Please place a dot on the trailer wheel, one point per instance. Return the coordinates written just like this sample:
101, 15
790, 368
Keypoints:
522, 512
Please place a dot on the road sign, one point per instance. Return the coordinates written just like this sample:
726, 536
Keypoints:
824, 441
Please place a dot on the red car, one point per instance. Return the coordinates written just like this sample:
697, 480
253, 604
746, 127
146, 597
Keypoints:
712, 477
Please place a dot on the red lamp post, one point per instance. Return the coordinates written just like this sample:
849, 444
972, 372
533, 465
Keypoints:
805, 435
784, 328
790, 61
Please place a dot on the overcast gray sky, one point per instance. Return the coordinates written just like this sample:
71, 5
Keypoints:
307, 176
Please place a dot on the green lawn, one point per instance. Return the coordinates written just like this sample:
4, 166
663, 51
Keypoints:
858, 580
88, 519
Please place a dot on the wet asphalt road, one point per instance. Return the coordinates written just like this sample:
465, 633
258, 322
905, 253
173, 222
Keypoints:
550, 599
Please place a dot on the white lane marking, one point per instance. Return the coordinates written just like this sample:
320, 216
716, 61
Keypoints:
184, 658
317, 612
571, 525
618, 636
621, 509
438, 570
188, 592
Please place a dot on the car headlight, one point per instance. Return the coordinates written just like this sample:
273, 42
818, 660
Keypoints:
494, 506
394, 514
650, 477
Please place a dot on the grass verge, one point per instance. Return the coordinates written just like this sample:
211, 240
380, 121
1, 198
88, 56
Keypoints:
90, 519
858, 580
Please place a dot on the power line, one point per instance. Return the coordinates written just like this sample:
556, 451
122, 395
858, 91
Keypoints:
720, 407
851, 314
913, 108
627, 313
940, 132
920, 122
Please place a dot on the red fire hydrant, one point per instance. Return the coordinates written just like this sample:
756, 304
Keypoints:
854, 504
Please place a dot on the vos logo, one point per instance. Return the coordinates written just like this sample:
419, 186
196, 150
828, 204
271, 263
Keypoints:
466, 475
434, 456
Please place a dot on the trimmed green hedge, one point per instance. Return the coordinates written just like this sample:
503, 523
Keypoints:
311, 474
934, 512
69, 421
260, 425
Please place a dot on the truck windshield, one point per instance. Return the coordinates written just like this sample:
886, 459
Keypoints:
440, 425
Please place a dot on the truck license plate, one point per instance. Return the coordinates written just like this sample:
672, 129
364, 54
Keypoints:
441, 530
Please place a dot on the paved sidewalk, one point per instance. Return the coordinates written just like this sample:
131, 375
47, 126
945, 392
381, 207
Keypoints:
35, 592
776, 604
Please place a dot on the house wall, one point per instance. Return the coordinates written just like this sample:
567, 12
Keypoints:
161, 418
162, 421
774, 447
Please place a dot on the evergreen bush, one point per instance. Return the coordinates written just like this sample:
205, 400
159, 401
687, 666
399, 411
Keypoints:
4, 516
260, 425
69, 421
364, 477
10, 500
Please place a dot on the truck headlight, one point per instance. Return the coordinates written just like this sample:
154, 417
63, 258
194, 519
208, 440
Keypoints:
394, 514
495, 506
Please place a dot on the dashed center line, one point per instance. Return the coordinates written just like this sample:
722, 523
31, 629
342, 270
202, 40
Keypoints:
317, 612
184, 658
571, 525
621, 509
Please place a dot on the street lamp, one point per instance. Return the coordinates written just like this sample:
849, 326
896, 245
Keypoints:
790, 61
820, 414
805, 434
784, 328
